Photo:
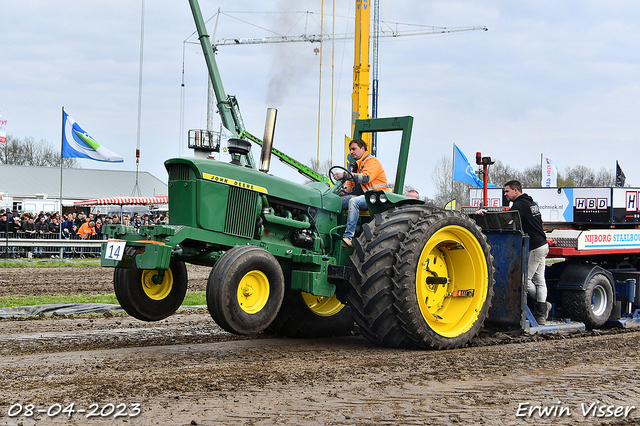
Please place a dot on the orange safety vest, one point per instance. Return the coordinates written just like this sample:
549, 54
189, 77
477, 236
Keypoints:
370, 175
86, 231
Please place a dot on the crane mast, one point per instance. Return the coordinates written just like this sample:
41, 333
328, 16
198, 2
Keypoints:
360, 95
374, 81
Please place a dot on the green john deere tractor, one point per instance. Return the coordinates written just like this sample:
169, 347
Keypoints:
416, 276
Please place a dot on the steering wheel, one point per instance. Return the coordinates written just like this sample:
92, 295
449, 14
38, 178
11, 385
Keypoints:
349, 175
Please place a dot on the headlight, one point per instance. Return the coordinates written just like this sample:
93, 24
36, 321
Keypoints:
383, 197
372, 199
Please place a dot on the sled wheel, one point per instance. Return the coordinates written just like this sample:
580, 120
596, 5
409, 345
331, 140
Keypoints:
304, 315
444, 281
147, 294
373, 261
593, 305
245, 290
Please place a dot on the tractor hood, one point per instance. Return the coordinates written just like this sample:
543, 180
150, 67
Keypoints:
199, 169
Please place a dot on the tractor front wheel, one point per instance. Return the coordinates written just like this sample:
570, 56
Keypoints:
150, 295
245, 290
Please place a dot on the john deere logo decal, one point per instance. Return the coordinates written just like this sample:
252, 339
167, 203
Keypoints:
232, 182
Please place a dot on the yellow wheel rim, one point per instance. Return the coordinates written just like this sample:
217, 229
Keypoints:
323, 306
454, 253
157, 291
253, 292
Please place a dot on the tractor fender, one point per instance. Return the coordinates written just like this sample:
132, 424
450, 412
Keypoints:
576, 276
380, 201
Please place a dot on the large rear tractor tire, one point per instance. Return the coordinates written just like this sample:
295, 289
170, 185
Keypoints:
593, 305
443, 281
304, 315
245, 290
373, 260
422, 277
146, 295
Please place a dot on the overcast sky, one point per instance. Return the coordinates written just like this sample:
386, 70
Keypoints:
559, 78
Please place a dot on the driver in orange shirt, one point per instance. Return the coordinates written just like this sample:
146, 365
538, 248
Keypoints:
367, 174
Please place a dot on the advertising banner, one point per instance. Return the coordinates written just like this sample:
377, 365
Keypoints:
3, 129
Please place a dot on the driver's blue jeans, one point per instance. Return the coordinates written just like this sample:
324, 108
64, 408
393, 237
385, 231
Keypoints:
353, 203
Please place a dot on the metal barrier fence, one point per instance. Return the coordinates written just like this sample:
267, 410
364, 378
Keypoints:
17, 245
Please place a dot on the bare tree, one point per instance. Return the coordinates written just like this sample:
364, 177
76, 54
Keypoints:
500, 173
605, 177
446, 188
325, 166
531, 176
28, 152
584, 176
580, 175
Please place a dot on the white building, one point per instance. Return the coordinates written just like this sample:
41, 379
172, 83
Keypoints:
34, 189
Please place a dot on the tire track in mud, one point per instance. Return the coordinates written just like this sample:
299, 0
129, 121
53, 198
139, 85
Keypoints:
186, 370
337, 381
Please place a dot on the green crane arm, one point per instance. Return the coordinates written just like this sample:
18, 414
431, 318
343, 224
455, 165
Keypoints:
302, 169
228, 106
227, 113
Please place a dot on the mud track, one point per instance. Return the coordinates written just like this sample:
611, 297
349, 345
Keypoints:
185, 370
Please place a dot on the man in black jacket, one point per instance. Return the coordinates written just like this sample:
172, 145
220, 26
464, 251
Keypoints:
538, 247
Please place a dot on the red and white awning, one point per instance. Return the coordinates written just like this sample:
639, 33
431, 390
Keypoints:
123, 201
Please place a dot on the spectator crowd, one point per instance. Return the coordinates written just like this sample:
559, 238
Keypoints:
70, 226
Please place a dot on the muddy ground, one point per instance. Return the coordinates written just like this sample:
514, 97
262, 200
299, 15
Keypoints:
184, 370
75, 280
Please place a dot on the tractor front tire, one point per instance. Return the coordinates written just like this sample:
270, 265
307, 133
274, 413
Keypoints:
245, 290
144, 298
593, 305
304, 315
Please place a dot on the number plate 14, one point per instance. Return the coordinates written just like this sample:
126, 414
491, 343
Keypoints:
115, 249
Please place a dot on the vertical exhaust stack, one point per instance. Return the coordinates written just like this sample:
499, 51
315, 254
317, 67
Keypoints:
267, 140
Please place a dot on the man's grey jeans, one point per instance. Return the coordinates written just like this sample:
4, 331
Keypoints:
536, 285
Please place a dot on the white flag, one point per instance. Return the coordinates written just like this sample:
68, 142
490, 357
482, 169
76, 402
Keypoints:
549, 173
225, 134
3, 130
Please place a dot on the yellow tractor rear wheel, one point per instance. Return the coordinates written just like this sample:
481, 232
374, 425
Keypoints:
304, 315
444, 281
421, 277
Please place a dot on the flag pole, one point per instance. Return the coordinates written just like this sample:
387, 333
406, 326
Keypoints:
453, 169
61, 158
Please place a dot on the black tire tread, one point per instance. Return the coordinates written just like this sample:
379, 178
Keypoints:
222, 305
576, 304
371, 295
128, 291
404, 282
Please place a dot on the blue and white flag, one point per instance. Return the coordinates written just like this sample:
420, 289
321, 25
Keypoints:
77, 143
462, 170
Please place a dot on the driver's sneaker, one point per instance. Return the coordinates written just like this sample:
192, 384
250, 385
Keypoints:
347, 241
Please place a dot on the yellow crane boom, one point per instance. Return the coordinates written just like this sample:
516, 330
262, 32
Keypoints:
360, 95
